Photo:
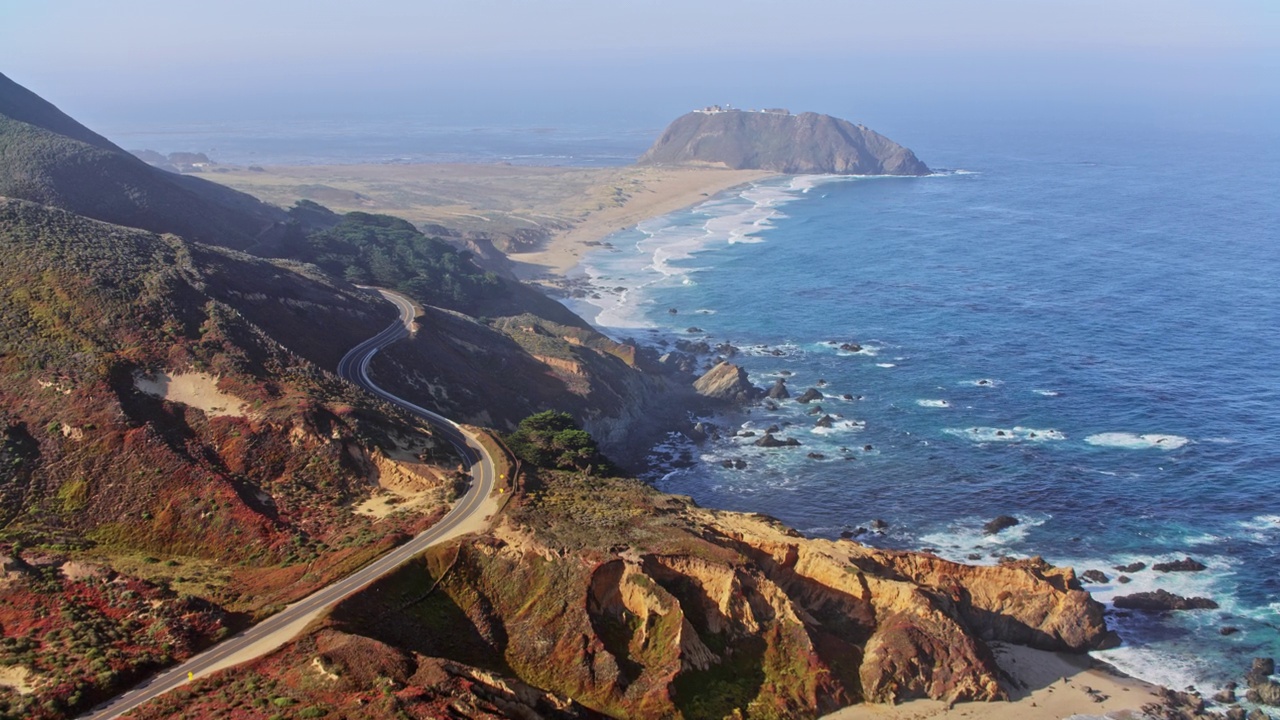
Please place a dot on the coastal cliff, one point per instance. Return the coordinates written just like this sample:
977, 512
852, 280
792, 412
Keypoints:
780, 142
599, 596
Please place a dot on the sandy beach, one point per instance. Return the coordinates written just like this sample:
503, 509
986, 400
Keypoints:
651, 192
1042, 686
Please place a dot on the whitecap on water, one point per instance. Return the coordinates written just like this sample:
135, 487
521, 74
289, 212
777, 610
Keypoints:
982, 382
933, 403
1134, 441
1014, 434
964, 539
1048, 393
840, 427
885, 365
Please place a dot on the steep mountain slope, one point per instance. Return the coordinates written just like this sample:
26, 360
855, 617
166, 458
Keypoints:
47, 157
491, 350
781, 142
145, 414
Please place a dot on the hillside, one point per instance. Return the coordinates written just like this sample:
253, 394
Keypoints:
491, 350
780, 142
49, 158
167, 468
598, 596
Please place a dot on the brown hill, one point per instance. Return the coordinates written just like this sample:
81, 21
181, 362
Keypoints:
781, 142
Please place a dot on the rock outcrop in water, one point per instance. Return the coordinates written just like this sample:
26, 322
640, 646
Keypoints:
781, 142
726, 382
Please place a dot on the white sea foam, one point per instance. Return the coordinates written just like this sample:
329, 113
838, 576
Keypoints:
844, 426
885, 365
933, 403
966, 538
1262, 522
660, 257
1014, 434
982, 382
1133, 441
1261, 528
1048, 393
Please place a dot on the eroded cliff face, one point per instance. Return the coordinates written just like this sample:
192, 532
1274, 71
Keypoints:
639, 604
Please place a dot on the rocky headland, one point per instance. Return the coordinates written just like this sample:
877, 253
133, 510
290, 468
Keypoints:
778, 141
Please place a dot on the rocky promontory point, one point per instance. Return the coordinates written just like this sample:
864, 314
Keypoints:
781, 142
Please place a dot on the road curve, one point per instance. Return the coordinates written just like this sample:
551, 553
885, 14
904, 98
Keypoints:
354, 366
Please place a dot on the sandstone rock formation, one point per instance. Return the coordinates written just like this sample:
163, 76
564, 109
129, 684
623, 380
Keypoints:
677, 611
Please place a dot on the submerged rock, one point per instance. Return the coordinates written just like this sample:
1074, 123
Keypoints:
769, 441
1131, 567
1000, 523
825, 421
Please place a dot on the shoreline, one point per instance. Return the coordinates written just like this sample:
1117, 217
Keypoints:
650, 193
1042, 685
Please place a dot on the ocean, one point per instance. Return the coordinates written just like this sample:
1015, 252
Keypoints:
1076, 324
1077, 328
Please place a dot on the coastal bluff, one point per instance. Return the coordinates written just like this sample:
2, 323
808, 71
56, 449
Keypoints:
778, 141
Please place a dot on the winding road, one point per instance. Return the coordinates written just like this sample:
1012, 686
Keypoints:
284, 625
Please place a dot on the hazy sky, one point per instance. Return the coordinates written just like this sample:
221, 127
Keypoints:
105, 60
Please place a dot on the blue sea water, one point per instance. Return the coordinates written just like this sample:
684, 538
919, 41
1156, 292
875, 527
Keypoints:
1076, 327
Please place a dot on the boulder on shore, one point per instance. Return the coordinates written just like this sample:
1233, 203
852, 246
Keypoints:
1260, 672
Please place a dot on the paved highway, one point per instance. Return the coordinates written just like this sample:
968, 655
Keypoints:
268, 634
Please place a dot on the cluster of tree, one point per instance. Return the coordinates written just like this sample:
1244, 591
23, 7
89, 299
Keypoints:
386, 251
554, 441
